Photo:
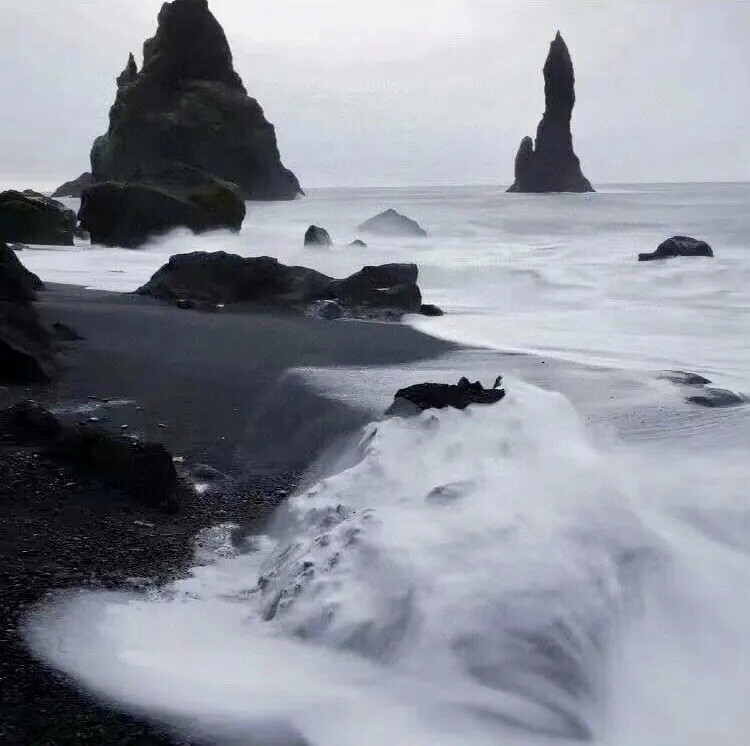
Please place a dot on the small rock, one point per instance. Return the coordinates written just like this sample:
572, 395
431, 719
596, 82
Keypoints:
185, 304
330, 310
678, 246
717, 398
317, 236
359, 243
415, 399
428, 309
683, 378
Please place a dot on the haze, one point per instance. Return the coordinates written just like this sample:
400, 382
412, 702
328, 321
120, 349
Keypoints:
373, 92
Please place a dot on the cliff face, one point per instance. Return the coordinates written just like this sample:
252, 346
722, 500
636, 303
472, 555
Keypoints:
187, 105
550, 164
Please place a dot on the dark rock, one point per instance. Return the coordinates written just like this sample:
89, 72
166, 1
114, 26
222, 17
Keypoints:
428, 309
16, 282
678, 246
316, 236
30, 217
65, 333
683, 378
75, 187
128, 215
448, 493
551, 165
717, 398
219, 277
330, 310
29, 422
188, 105
185, 304
392, 223
359, 243
415, 399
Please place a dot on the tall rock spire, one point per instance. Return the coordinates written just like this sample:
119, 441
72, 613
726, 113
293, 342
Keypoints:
188, 107
550, 165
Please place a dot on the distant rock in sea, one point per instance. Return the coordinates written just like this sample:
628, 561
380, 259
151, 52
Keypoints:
358, 242
187, 105
317, 236
31, 218
550, 165
678, 246
392, 223
75, 187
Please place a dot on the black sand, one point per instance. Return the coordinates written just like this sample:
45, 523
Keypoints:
207, 386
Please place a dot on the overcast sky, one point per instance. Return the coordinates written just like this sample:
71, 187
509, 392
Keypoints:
407, 92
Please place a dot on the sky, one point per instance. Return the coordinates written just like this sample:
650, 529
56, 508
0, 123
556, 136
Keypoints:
406, 92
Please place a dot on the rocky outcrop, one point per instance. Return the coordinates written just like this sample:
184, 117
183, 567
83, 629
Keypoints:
25, 347
75, 187
187, 105
128, 215
32, 218
317, 236
416, 399
678, 246
392, 223
389, 290
359, 243
550, 165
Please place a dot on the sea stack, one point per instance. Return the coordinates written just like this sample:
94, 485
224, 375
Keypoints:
550, 165
188, 106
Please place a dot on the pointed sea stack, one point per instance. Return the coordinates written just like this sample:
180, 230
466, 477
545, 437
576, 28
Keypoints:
188, 106
551, 165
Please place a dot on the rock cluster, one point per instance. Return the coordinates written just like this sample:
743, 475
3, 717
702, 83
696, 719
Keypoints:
550, 164
30, 217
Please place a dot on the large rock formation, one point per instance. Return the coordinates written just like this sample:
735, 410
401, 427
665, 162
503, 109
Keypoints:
30, 217
188, 105
128, 215
388, 290
393, 224
551, 165
75, 187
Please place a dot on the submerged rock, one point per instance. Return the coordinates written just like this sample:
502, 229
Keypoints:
684, 378
711, 397
128, 215
32, 218
392, 223
188, 105
75, 187
359, 243
415, 399
383, 291
678, 246
317, 236
551, 165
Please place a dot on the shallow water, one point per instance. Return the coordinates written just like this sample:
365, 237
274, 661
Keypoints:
569, 565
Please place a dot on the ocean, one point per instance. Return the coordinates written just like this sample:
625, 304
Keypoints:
570, 565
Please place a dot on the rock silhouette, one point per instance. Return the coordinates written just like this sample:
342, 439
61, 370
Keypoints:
550, 165
678, 246
187, 105
75, 187
392, 223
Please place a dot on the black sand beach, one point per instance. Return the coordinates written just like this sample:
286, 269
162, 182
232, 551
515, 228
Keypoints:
207, 387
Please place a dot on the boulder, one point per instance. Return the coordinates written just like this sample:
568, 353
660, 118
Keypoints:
317, 236
416, 399
128, 215
358, 243
217, 277
75, 187
711, 397
392, 223
65, 333
550, 164
428, 309
16, 282
32, 218
684, 378
678, 246
188, 105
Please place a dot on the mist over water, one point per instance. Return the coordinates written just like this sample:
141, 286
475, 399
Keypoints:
569, 565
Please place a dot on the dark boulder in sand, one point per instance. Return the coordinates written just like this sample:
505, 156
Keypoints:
32, 218
217, 277
551, 165
188, 105
415, 399
392, 223
75, 187
317, 236
25, 345
128, 215
678, 246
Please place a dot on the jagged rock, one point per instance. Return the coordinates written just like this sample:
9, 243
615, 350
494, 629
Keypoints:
428, 309
678, 246
30, 217
711, 397
188, 105
359, 243
316, 236
551, 165
117, 214
75, 187
415, 399
392, 223
25, 355
218, 277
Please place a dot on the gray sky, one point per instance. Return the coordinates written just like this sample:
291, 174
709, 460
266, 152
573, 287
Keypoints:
407, 92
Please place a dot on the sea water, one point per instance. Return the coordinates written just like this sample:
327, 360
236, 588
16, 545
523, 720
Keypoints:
569, 565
